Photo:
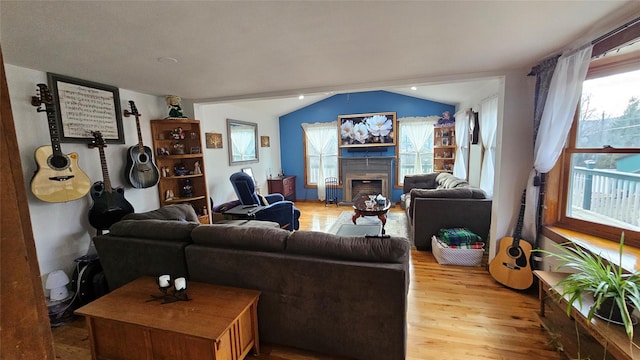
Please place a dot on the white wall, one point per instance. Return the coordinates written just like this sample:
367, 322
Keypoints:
514, 155
61, 230
213, 118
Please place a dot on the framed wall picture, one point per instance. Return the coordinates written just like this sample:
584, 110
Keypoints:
214, 140
366, 130
264, 141
84, 106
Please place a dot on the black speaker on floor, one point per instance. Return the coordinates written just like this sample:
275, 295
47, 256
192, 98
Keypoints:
88, 281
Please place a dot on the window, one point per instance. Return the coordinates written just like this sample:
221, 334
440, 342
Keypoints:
320, 152
600, 167
415, 146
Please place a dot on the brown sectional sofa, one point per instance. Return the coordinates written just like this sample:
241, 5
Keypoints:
343, 296
440, 200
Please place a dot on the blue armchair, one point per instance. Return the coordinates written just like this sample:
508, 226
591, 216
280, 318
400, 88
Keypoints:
277, 209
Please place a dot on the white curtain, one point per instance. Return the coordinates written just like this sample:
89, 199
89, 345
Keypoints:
417, 130
488, 129
462, 144
322, 138
564, 93
243, 141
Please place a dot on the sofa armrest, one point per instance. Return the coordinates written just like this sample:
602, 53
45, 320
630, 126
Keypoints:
125, 259
281, 212
273, 198
433, 214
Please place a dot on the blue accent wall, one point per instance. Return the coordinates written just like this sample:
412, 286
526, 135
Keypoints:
327, 110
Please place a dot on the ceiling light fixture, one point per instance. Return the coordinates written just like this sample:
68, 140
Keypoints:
414, 88
167, 60
300, 97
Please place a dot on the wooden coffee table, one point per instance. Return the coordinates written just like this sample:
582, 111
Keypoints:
217, 323
361, 210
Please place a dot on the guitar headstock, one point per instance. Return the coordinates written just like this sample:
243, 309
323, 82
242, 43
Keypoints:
97, 141
44, 97
133, 111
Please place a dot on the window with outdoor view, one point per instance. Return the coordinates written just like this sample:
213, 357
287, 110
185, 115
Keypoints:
602, 160
415, 146
320, 152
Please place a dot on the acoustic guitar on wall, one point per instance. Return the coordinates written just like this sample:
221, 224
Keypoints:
140, 171
58, 178
511, 266
109, 204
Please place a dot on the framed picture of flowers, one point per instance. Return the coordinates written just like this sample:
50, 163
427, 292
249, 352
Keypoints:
366, 130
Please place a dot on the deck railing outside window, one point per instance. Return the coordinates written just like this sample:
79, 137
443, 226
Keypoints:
605, 196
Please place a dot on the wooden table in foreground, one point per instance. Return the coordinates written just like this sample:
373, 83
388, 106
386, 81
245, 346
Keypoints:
611, 337
217, 323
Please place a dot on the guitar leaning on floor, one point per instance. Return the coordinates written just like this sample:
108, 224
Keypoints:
511, 265
109, 204
58, 177
140, 170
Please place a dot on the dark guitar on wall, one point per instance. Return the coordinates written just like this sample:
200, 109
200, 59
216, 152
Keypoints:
140, 171
58, 177
109, 204
511, 265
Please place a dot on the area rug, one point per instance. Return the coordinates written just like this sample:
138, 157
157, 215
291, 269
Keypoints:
396, 223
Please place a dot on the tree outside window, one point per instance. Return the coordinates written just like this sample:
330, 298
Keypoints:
602, 162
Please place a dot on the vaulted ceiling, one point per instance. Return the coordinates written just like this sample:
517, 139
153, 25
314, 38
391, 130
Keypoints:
228, 50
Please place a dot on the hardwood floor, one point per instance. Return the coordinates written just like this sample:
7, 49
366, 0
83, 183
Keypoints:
455, 312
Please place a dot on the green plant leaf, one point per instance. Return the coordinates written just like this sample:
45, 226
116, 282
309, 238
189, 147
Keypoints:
594, 275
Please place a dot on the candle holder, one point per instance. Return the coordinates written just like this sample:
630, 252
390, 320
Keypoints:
179, 292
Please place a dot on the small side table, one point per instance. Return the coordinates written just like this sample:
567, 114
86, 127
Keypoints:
218, 323
283, 185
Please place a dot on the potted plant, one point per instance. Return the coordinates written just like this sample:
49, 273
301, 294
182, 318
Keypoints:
607, 282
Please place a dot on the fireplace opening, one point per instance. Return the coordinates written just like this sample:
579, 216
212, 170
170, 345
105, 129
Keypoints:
366, 187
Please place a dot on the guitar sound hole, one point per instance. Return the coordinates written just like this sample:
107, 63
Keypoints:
514, 252
143, 158
58, 162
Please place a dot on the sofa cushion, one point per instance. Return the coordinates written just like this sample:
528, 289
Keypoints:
460, 193
448, 181
318, 244
182, 212
154, 229
259, 238
419, 181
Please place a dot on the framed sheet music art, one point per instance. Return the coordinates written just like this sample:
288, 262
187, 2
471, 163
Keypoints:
84, 106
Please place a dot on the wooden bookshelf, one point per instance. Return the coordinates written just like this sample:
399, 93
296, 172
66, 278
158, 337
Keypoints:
184, 148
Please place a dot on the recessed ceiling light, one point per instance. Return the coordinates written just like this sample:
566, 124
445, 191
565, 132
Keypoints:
300, 97
167, 60
414, 88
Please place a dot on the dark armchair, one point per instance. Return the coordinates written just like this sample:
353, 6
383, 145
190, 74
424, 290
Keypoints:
277, 209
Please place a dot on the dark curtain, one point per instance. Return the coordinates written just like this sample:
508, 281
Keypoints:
543, 73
